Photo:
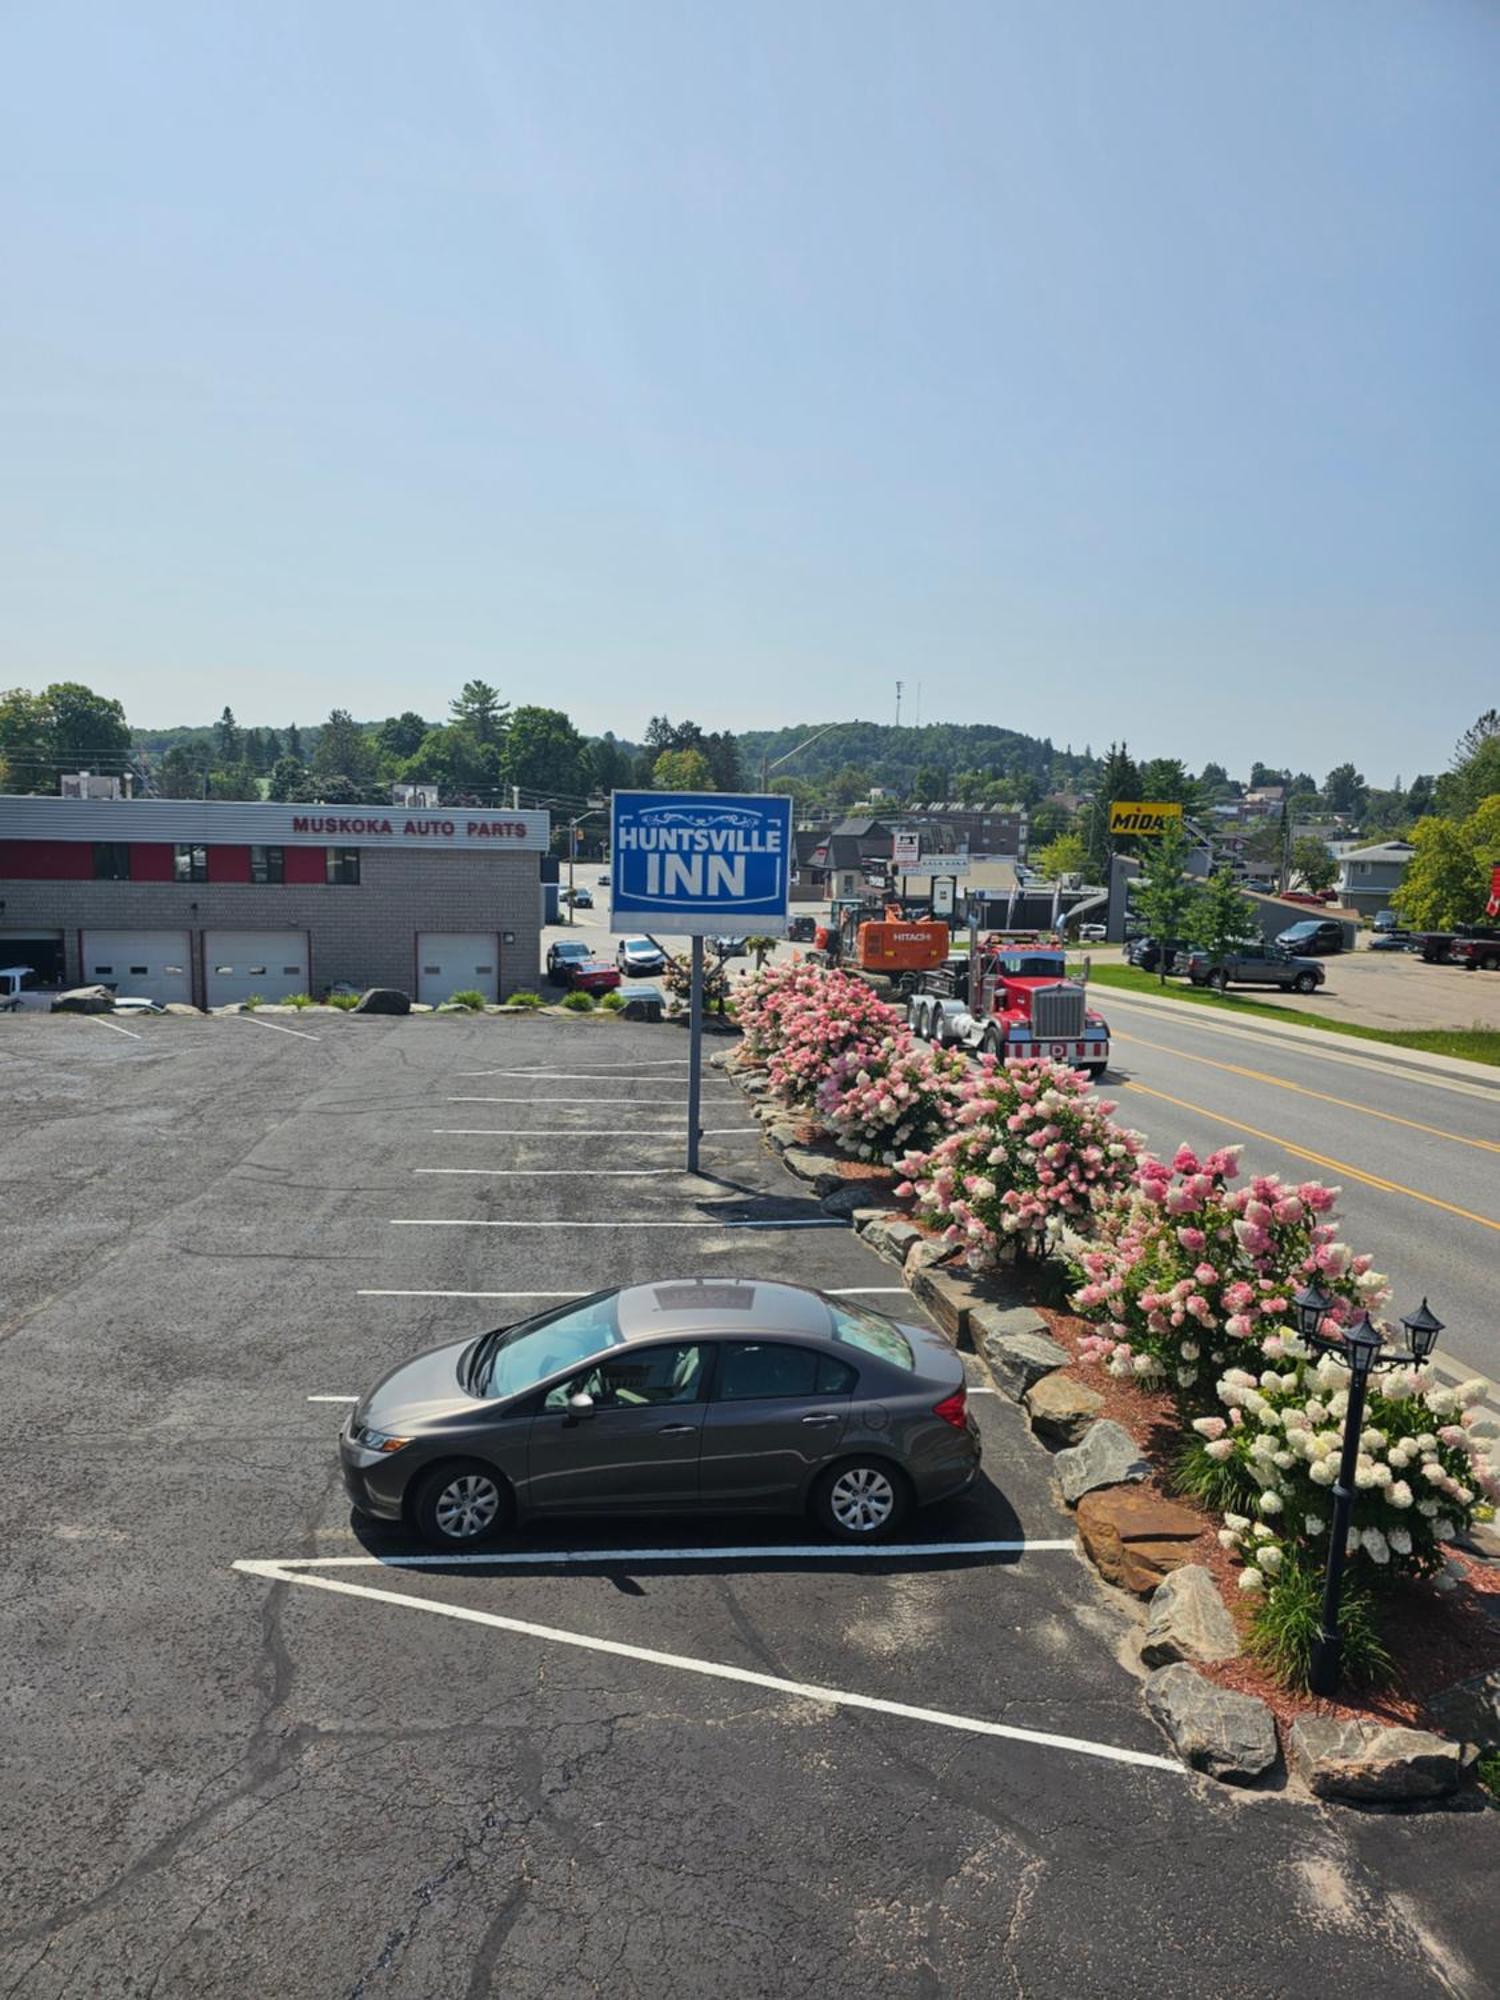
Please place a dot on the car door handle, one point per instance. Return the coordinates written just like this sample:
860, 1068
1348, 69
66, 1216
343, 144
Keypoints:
828, 1418
676, 1430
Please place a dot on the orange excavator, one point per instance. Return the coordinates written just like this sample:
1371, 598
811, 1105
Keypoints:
889, 946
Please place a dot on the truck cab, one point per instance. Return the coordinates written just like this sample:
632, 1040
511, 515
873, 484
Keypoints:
1024, 1004
20, 986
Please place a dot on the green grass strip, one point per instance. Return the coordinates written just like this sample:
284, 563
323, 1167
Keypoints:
1473, 1044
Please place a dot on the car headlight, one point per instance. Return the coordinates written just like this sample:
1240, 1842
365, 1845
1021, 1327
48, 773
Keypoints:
378, 1440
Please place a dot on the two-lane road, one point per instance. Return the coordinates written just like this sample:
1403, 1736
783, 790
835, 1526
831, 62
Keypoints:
1415, 1151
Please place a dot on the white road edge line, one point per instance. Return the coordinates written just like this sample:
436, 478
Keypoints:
460, 1222
752, 1552
582, 1131
277, 1029
99, 1022
715, 1670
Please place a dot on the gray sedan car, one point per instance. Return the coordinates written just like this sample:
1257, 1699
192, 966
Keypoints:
695, 1395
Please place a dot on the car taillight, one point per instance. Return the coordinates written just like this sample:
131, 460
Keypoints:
954, 1409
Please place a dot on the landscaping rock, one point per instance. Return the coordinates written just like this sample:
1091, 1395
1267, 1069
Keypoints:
1016, 1359
1228, 1735
889, 1236
928, 1253
783, 1135
383, 1000
1470, 1711
1107, 1456
1483, 1539
1135, 1539
753, 1085
1371, 1760
1188, 1620
821, 1173
848, 1198
1003, 1318
1060, 1409
950, 1297
180, 1007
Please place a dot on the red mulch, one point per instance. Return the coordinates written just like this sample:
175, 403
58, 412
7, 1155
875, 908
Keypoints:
1435, 1639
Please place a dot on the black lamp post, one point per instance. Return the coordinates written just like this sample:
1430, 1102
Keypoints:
1360, 1346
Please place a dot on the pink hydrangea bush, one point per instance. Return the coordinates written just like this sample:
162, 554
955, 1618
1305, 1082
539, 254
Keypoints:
815, 1024
771, 998
1189, 1275
1033, 1152
883, 1102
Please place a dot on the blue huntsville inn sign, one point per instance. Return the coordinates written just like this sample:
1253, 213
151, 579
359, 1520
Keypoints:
700, 862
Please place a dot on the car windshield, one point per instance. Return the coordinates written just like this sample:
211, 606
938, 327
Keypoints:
571, 950
1032, 965
872, 1333
639, 944
537, 1348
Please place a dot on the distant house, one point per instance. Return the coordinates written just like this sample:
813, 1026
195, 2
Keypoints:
1370, 876
836, 862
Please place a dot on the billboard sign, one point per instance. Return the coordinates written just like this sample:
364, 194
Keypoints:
699, 863
908, 852
1141, 816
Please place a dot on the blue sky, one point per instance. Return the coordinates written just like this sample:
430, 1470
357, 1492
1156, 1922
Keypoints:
1108, 370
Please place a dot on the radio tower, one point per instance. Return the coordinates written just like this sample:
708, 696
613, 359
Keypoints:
898, 704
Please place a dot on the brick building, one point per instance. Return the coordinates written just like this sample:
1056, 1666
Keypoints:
209, 902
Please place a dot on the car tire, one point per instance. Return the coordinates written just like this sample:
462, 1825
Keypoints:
461, 1505
862, 1499
1490, 964
989, 1043
1305, 982
1219, 981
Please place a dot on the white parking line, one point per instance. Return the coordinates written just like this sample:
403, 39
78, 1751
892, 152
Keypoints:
100, 1022
546, 1103
581, 1132
333, 1399
381, 1292
755, 1552
544, 1173
647, 1062
277, 1029
717, 1670
462, 1222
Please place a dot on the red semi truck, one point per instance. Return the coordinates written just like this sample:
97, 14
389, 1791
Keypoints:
1023, 1004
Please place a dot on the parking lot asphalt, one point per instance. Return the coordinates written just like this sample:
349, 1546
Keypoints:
252, 1747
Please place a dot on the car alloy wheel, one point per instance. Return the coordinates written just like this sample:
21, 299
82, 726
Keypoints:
466, 1507
862, 1500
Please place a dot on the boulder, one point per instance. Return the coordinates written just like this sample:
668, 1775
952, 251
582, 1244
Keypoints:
1107, 1456
950, 1297
1061, 1409
783, 1135
1006, 1318
383, 1000
889, 1235
179, 1007
1372, 1760
754, 1085
821, 1173
1482, 1538
1016, 1359
1188, 1620
1135, 1539
1470, 1711
847, 1198
1228, 1735
84, 1000
927, 1253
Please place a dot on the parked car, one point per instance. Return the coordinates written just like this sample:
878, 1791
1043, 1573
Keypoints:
1255, 964
603, 881
131, 1003
1147, 952
1476, 950
802, 930
1091, 933
1385, 921
1391, 941
640, 957
1319, 937
681, 1397
563, 954
728, 947
590, 975
1316, 897
581, 899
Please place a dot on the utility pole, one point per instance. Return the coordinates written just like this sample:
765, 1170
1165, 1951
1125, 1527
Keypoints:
899, 685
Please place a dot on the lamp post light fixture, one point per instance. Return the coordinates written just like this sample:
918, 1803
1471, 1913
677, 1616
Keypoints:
1361, 1347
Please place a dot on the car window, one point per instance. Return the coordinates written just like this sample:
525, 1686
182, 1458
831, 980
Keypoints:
638, 1378
754, 1368
872, 1333
539, 1347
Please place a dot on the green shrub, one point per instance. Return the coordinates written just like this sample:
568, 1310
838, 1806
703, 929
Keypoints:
613, 1002
1487, 1770
1287, 1620
470, 997
343, 1000
252, 1001
579, 1003
526, 1000
298, 1000
1227, 1487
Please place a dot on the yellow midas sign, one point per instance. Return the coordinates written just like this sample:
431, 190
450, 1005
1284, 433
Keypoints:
1134, 816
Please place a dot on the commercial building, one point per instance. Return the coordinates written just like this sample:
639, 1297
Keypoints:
211, 902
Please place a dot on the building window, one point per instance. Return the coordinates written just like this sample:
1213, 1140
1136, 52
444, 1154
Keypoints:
268, 864
343, 864
111, 861
190, 864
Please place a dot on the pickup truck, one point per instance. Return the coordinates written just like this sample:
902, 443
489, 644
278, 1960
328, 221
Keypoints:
1255, 965
1478, 951
1442, 947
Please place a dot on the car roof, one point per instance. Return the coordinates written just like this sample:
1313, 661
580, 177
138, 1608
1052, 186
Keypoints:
720, 1305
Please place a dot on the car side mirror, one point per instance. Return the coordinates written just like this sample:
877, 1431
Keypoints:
579, 1407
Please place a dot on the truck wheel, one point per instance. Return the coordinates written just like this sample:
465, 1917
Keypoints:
1490, 964
1305, 982
921, 1027
989, 1043
1218, 980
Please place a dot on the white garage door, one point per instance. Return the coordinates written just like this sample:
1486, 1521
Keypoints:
237, 965
450, 962
151, 965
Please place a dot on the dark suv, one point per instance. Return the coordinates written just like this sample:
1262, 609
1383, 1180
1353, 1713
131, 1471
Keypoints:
1147, 953
1321, 936
1255, 965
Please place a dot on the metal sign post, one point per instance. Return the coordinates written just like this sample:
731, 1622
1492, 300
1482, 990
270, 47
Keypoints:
701, 864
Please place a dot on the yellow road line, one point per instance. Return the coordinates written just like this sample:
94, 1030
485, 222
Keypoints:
1323, 1096
1320, 1159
